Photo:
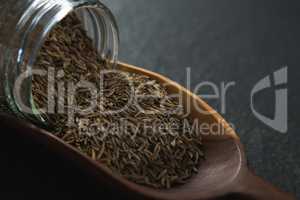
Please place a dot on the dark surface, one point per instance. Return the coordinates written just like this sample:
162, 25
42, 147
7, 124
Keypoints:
221, 41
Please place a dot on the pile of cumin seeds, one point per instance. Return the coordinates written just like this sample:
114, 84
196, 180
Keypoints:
147, 141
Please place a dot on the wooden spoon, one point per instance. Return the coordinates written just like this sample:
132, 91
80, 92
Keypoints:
224, 173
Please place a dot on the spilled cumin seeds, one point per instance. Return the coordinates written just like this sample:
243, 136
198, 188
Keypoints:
146, 140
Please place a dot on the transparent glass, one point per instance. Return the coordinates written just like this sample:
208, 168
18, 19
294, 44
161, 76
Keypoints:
24, 25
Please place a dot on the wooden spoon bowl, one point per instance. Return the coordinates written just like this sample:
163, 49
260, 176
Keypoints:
224, 173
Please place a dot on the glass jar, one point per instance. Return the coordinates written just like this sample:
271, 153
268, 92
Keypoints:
25, 24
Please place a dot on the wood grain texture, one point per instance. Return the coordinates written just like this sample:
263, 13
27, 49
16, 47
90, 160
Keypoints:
223, 173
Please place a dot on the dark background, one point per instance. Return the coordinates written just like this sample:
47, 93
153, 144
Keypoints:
221, 41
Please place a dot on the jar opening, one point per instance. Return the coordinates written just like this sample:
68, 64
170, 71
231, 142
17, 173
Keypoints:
99, 24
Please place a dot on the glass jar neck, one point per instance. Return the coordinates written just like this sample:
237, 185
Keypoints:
26, 37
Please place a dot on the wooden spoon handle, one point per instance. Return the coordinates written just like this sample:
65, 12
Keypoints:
253, 187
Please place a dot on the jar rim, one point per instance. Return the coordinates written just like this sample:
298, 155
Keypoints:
36, 31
